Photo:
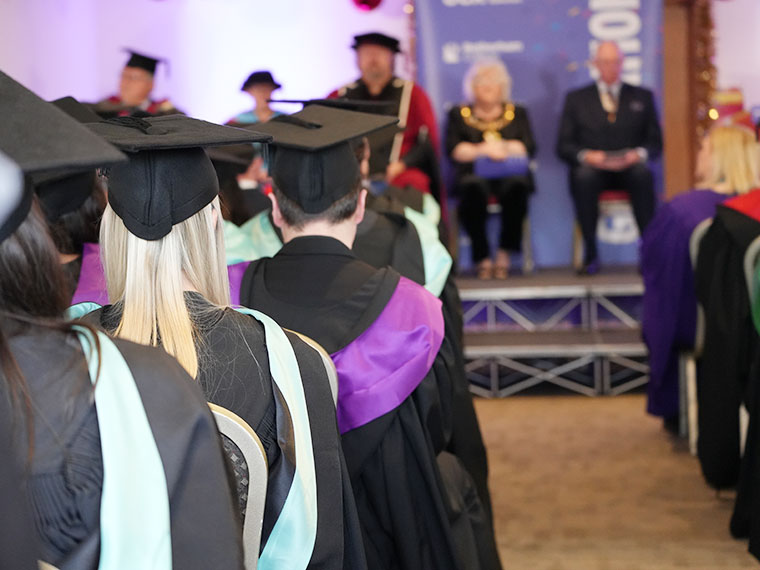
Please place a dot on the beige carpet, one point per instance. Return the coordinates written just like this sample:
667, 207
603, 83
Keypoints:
596, 484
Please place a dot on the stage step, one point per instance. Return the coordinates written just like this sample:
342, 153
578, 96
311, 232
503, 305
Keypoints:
590, 362
552, 299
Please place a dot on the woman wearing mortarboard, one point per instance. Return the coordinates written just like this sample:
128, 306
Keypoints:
119, 453
163, 251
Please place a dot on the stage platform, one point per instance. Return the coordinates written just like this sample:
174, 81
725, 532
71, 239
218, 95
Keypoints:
580, 333
553, 299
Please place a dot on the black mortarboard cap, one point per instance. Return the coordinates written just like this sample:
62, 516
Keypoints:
76, 110
64, 191
381, 107
142, 61
378, 39
40, 138
227, 164
312, 160
169, 177
260, 78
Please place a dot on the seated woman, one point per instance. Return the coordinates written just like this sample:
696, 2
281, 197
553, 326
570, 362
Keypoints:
490, 142
728, 163
163, 252
87, 414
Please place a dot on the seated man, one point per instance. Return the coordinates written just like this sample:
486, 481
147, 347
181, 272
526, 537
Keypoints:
418, 508
609, 130
260, 85
135, 88
405, 158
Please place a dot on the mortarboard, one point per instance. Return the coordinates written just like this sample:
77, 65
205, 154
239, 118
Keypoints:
142, 61
380, 107
228, 164
64, 191
377, 39
76, 110
312, 161
40, 138
169, 177
260, 78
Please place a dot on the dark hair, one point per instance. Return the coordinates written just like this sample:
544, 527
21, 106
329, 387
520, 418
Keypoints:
72, 230
32, 293
340, 210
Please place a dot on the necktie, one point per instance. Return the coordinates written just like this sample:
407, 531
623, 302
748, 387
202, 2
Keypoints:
609, 103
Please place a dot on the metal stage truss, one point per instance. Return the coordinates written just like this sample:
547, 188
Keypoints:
579, 333
551, 300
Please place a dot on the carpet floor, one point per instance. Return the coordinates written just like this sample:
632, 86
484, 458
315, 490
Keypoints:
597, 484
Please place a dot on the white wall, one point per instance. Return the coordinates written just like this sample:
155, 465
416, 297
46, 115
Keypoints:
73, 47
737, 47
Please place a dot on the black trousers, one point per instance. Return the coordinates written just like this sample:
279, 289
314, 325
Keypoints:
586, 183
512, 195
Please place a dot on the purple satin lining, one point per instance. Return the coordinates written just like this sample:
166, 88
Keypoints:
92, 280
235, 273
383, 366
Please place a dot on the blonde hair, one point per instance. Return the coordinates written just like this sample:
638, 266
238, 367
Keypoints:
146, 279
482, 66
735, 159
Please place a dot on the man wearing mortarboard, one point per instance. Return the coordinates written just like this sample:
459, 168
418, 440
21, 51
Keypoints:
407, 158
135, 87
418, 507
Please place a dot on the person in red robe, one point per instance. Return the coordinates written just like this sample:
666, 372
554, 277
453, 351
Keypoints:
408, 157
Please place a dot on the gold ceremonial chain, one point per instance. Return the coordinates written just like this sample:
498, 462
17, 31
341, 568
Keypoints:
491, 129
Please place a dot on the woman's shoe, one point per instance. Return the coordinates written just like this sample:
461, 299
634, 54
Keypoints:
485, 269
501, 269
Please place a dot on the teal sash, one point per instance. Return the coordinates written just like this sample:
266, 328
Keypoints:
253, 240
135, 526
431, 209
291, 542
435, 257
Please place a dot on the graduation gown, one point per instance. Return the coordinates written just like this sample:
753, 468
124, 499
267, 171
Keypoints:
66, 477
387, 238
730, 341
669, 316
395, 394
18, 544
234, 373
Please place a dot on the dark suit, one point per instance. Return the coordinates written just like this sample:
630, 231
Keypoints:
585, 126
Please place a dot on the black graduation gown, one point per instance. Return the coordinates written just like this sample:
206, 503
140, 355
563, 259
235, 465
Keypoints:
386, 238
65, 482
18, 544
317, 286
730, 341
234, 374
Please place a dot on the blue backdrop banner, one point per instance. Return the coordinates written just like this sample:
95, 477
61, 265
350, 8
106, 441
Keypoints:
546, 45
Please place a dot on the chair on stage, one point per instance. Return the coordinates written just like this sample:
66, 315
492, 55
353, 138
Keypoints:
610, 203
249, 462
688, 407
687, 360
332, 373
